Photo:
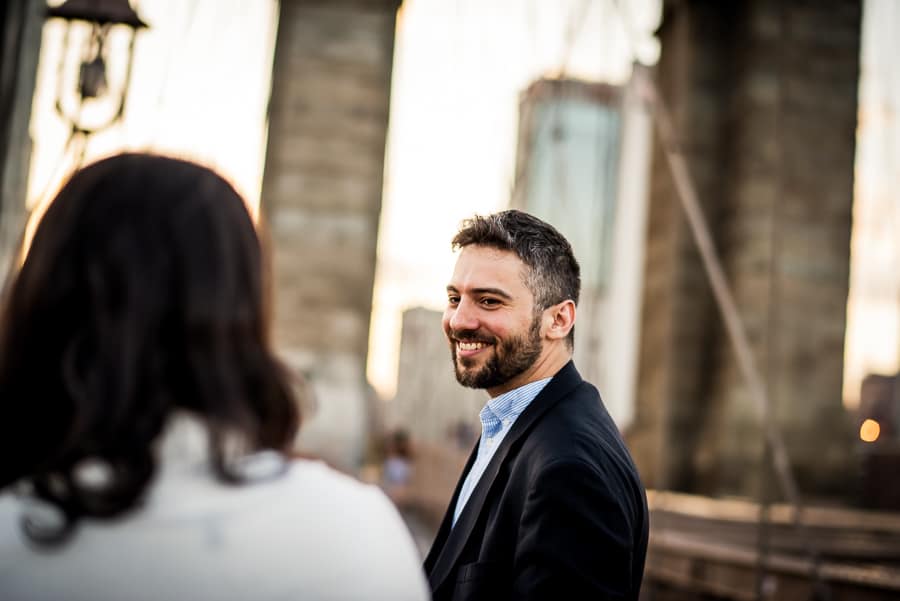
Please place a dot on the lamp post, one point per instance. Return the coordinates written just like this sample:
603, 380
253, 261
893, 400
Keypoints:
89, 23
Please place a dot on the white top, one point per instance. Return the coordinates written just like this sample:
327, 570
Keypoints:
309, 534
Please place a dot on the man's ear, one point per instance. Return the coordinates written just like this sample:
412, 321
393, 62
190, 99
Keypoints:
559, 319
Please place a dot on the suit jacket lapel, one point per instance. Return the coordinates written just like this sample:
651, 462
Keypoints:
447, 523
564, 381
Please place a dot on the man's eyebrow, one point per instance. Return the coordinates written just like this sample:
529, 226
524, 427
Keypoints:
495, 291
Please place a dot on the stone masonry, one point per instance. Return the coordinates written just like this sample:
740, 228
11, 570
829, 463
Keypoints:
321, 200
21, 24
764, 98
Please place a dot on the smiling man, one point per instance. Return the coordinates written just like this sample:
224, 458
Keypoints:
550, 504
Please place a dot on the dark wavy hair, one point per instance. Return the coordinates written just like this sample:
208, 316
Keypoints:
552, 272
143, 293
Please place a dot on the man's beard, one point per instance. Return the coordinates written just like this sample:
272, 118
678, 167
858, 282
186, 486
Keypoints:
510, 357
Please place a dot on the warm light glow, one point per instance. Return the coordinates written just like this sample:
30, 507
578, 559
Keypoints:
869, 430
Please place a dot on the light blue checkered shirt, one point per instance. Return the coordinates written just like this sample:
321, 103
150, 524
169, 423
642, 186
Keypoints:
497, 418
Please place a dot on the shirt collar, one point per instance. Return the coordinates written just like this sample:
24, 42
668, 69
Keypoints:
502, 410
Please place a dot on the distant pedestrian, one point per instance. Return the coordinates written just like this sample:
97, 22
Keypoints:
397, 467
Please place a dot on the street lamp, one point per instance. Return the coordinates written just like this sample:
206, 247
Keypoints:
89, 23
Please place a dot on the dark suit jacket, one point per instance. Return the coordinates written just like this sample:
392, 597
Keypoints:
559, 513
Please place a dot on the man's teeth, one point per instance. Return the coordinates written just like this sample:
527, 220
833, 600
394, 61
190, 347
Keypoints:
470, 346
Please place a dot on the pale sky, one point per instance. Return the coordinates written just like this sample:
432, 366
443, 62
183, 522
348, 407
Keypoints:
873, 310
459, 68
194, 91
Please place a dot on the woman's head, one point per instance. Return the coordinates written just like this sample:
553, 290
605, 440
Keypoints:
142, 294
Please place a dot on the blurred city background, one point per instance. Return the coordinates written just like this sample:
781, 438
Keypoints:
764, 414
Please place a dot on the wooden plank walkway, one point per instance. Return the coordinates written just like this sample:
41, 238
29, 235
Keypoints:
722, 549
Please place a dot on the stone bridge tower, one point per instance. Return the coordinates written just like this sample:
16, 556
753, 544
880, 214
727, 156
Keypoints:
764, 97
21, 25
321, 200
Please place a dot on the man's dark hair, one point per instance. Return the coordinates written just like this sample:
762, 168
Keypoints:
142, 295
552, 272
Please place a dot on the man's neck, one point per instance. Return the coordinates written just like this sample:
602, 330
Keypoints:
546, 366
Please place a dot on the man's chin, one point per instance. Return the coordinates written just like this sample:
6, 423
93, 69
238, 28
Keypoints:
466, 363
467, 376
469, 383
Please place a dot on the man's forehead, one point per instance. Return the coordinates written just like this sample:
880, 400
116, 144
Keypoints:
486, 267
482, 252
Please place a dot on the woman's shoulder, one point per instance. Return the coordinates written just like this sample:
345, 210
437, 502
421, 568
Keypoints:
315, 475
361, 536
327, 490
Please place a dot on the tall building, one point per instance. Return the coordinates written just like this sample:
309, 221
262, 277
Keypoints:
430, 403
582, 164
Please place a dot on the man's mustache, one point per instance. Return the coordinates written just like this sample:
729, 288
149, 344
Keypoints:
471, 336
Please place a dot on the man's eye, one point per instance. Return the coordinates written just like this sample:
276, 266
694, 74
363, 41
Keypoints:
490, 302
453, 300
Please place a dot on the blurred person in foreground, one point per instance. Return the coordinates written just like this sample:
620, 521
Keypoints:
549, 505
146, 424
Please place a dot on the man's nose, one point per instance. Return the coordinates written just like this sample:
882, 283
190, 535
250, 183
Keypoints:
464, 317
